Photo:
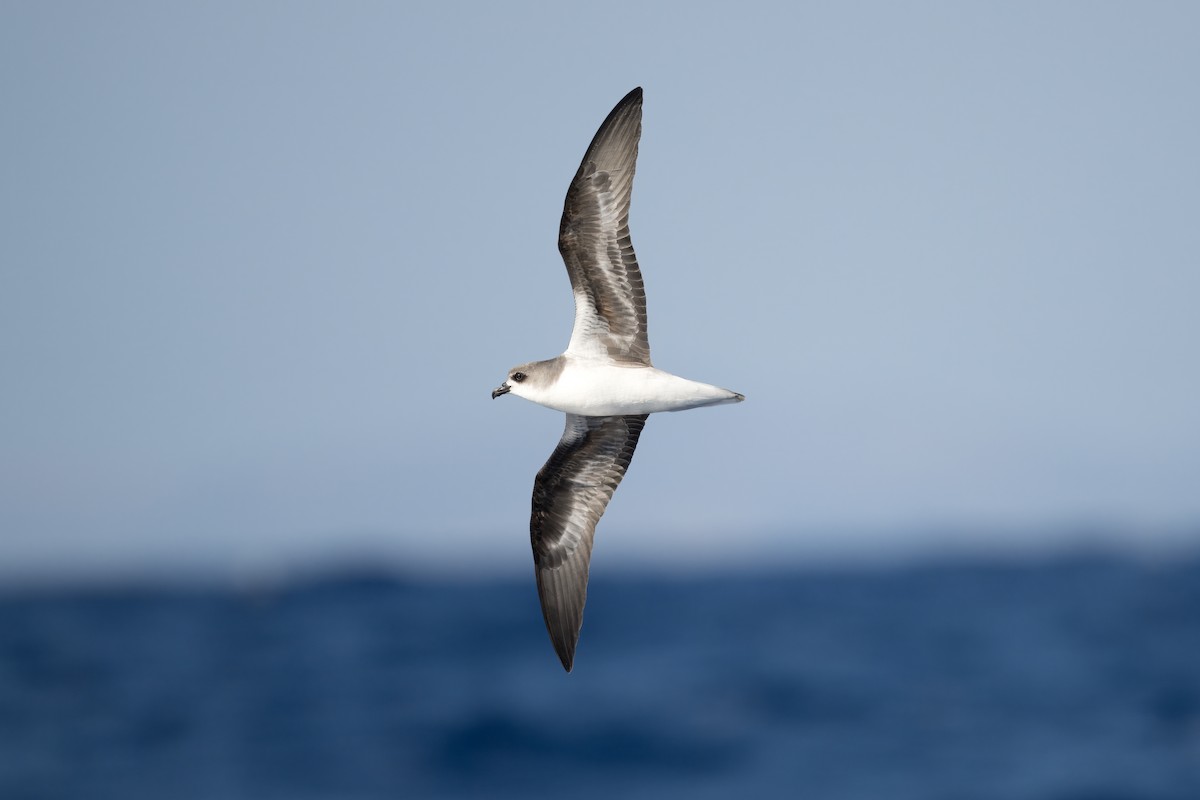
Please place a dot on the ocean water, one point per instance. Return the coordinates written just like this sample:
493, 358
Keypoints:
1077, 679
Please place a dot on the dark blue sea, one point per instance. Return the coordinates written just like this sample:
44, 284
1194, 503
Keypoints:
1072, 679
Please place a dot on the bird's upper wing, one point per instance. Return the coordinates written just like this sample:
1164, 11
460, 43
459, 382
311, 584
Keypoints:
569, 495
610, 301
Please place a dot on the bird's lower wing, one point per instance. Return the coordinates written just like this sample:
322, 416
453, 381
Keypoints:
569, 496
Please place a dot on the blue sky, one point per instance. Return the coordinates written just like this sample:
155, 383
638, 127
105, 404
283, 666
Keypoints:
261, 265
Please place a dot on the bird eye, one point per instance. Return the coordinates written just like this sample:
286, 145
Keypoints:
518, 376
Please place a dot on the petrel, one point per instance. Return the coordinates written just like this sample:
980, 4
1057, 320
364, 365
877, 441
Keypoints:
604, 382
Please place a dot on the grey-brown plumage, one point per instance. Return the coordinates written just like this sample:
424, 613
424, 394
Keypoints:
569, 496
593, 237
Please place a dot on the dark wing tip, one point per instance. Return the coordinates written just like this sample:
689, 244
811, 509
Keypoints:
634, 98
630, 108
563, 615
566, 653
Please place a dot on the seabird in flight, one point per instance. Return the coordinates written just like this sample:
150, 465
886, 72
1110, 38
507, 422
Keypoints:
604, 382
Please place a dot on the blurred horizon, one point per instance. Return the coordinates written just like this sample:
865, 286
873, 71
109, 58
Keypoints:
384, 556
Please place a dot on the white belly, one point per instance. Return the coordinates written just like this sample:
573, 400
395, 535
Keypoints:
603, 390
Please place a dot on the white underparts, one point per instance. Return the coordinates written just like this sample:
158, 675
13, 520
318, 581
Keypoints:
596, 388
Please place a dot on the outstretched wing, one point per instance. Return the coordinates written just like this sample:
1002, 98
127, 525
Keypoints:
610, 301
569, 496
